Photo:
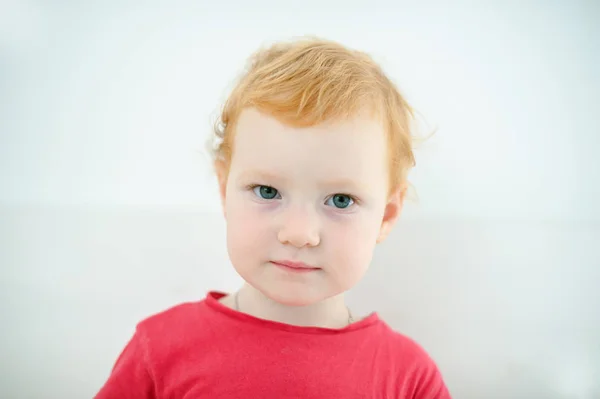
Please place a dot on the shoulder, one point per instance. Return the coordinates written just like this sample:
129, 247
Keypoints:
402, 344
152, 350
172, 329
176, 316
414, 366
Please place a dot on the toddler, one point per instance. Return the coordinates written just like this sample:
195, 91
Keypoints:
312, 155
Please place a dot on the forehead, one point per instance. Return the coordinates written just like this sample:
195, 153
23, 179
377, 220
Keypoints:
354, 148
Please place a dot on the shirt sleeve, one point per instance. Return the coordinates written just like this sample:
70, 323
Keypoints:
130, 376
429, 383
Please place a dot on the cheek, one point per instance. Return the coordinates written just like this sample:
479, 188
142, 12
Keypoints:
247, 233
353, 242
359, 230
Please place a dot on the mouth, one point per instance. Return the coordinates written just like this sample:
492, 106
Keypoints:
295, 267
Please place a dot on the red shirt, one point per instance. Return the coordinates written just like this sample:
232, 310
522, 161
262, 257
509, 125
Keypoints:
207, 350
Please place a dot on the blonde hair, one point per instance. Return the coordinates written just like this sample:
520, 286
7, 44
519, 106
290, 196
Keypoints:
309, 81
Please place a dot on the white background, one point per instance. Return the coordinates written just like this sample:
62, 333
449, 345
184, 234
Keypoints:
109, 211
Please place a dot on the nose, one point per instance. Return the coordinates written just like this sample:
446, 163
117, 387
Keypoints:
299, 228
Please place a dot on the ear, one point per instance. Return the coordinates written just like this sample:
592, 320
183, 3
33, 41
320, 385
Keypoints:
222, 172
392, 211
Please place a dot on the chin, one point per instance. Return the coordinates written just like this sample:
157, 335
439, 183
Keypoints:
291, 297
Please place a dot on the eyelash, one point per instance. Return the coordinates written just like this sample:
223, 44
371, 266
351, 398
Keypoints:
355, 200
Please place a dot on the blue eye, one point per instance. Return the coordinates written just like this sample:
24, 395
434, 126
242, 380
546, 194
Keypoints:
265, 192
340, 201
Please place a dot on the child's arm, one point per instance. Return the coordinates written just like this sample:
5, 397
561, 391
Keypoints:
130, 377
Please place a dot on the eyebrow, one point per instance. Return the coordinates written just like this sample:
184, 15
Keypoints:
258, 175
346, 183
349, 184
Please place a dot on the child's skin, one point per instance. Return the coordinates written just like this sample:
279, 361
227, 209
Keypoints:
319, 195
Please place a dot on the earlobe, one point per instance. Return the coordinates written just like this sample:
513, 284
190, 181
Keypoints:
391, 213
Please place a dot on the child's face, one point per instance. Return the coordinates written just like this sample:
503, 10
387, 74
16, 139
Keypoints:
316, 195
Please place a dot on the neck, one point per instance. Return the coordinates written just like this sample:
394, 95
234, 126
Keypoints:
329, 313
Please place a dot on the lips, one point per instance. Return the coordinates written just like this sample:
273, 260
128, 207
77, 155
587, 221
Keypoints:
299, 267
